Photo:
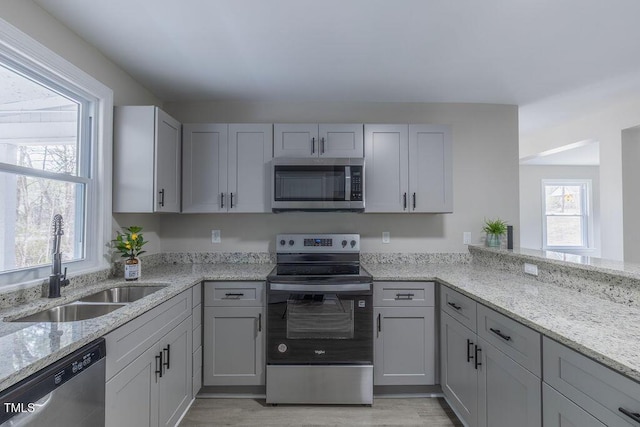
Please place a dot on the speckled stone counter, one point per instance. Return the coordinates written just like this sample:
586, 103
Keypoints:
606, 331
590, 322
27, 347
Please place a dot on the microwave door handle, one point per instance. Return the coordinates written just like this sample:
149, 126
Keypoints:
347, 183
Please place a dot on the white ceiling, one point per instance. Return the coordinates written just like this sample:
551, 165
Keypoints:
582, 153
546, 56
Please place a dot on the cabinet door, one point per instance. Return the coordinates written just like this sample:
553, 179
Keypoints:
175, 386
404, 347
131, 396
204, 166
558, 411
386, 165
250, 148
167, 159
233, 346
430, 168
295, 140
341, 140
508, 394
458, 375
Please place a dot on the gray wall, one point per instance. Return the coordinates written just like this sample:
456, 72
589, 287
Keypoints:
630, 193
485, 162
531, 200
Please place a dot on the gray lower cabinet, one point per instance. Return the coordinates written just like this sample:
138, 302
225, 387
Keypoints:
404, 333
155, 389
458, 373
561, 412
508, 394
149, 366
486, 386
234, 334
608, 396
403, 346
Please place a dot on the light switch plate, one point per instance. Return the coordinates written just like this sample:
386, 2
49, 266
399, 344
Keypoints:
531, 269
386, 237
466, 237
215, 236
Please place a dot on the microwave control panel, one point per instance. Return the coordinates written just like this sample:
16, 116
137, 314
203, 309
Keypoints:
356, 183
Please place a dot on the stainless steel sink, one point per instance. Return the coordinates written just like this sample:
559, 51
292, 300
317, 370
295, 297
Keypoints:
71, 313
122, 294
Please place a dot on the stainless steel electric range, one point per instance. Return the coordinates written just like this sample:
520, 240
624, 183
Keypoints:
319, 322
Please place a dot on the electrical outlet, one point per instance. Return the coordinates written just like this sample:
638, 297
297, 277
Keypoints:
215, 236
531, 269
466, 237
385, 237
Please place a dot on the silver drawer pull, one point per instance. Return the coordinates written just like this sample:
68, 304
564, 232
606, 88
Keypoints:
404, 296
233, 296
500, 334
633, 415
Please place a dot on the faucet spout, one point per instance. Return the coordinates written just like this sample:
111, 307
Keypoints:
57, 279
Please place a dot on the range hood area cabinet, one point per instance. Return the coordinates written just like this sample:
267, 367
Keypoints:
146, 160
408, 168
225, 167
318, 140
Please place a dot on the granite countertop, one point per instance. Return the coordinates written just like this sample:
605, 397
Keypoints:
603, 330
28, 347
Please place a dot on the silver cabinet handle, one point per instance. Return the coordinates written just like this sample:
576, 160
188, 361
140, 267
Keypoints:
161, 201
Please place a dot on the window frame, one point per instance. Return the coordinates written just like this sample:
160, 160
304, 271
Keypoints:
586, 217
18, 50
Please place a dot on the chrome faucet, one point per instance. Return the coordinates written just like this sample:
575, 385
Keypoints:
57, 279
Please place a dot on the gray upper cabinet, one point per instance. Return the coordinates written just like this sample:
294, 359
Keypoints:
146, 160
408, 168
204, 165
250, 148
430, 168
318, 140
386, 165
226, 167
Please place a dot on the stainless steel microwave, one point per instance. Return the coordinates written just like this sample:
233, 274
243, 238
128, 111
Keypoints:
321, 184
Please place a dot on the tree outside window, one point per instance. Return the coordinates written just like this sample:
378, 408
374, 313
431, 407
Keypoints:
566, 214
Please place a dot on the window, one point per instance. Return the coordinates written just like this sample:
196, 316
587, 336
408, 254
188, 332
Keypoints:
565, 223
55, 127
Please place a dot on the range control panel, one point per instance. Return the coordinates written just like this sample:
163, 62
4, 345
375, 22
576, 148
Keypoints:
313, 243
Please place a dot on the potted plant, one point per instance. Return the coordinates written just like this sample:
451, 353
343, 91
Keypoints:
495, 229
129, 244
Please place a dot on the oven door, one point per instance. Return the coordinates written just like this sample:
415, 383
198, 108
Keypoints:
319, 324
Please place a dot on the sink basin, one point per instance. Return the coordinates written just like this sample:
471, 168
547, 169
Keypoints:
71, 313
121, 294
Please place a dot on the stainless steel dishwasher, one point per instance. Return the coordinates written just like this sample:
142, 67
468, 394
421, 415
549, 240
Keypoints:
69, 392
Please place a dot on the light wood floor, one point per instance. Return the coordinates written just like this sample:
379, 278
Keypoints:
431, 412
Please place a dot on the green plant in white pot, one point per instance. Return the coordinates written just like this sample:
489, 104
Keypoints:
495, 229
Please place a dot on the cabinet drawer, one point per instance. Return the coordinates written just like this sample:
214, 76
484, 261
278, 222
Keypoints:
458, 306
594, 387
517, 341
403, 294
239, 294
558, 411
130, 340
197, 294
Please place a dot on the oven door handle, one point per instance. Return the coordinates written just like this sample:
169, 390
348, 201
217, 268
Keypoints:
301, 287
